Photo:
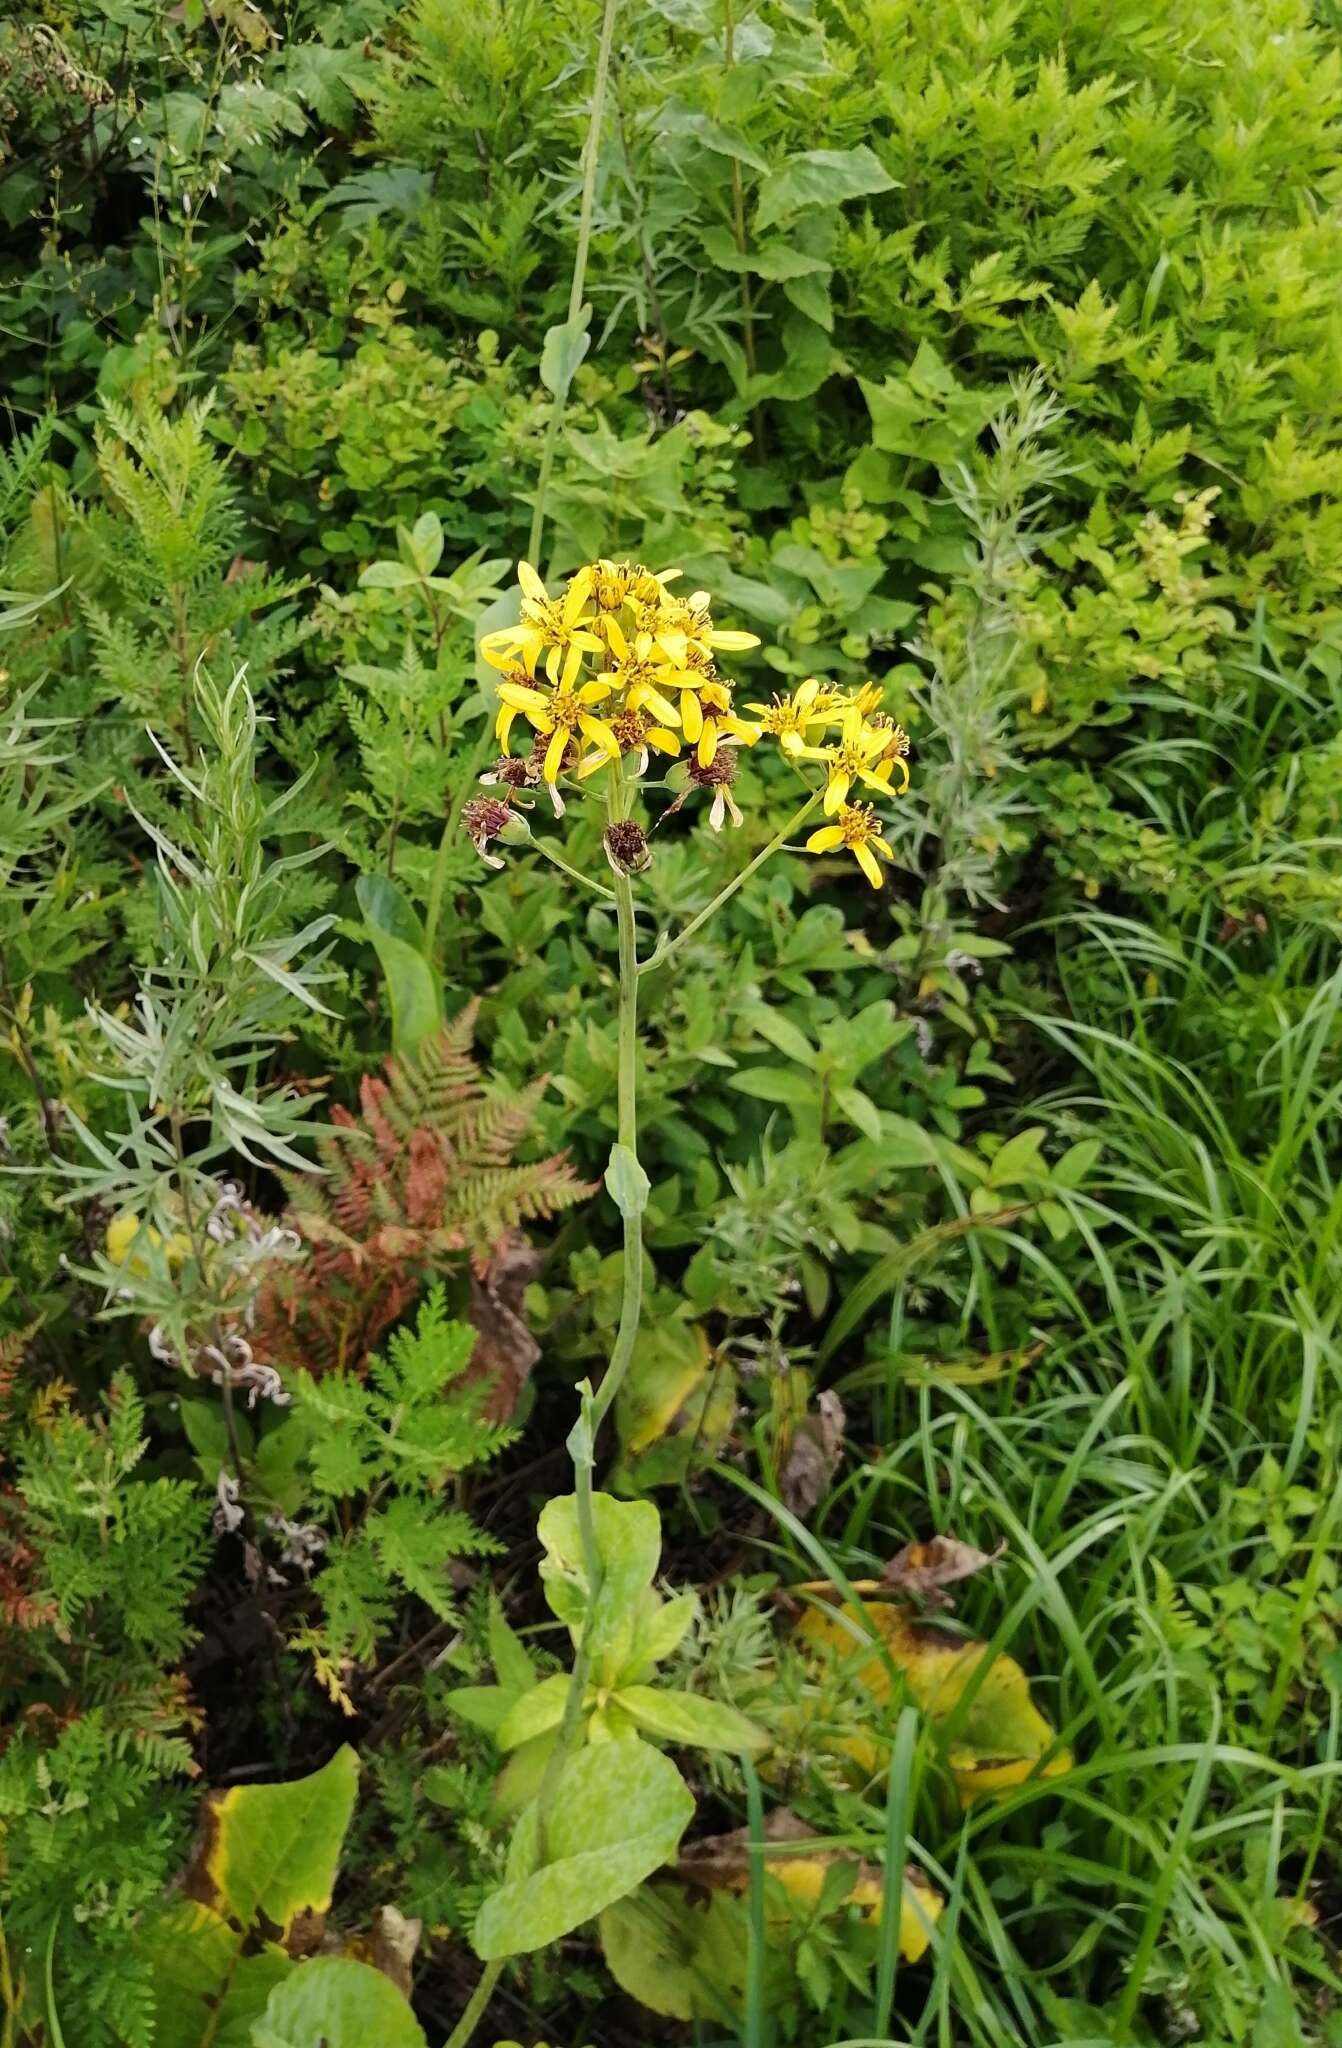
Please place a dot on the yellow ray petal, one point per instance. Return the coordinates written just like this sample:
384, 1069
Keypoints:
523, 699
731, 641
691, 715
532, 586
600, 735
554, 753
869, 864
825, 840
708, 743
836, 789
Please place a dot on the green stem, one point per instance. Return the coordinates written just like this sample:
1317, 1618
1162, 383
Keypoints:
631, 1304
668, 951
474, 2012
574, 874
591, 155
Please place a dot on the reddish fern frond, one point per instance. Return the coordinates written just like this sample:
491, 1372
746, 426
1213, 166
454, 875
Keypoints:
421, 1177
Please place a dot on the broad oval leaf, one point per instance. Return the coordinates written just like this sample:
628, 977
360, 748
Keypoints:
993, 1735
620, 1810
335, 2002
629, 1544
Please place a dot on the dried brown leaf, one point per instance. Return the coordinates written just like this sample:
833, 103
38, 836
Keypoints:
813, 1456
923, 1570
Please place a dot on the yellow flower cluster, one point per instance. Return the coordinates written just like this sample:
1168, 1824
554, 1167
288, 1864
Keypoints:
619, 663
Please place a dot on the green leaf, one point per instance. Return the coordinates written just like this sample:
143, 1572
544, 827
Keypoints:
535, 1713
774, 261
1018, 1159
275, 1848
424, 542
820, 177
334, 2002
860, 1110
810, 295
687, 1717
775, 1084
480, 1706
780, 1032
713, 135
620, 1810
628, 1543
204, 1988
387, 576
398, 940
626, 1182
565, 345
513, 1666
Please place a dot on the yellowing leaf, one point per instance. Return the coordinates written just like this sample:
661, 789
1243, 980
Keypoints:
273, 1849
802, 1865
676, 1406
975, 1371
997, 1741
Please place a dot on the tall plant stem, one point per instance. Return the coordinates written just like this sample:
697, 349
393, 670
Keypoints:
739, 201
475, 2009
591, 157
631, 1302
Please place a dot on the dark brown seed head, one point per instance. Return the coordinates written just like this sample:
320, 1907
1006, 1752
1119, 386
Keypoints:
720, 772
484, 818
627, 847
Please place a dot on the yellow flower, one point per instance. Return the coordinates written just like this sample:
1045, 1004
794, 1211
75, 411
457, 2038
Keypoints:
702, 709
851, 758
683, 628
633, 734
122, 1232
789, 719
894, 756
618, 583
553, 626
859, 829
645, 681
561, 712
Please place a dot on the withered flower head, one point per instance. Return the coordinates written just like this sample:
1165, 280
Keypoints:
485, 818
718, 775
515, 772
627, 847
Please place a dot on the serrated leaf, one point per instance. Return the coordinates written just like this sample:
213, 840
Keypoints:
820, 177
